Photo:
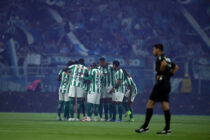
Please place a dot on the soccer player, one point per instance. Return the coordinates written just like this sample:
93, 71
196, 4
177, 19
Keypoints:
94, 93
165, 69
118, 91
64, 77
129, 96
108, 83
85, 89
76, 91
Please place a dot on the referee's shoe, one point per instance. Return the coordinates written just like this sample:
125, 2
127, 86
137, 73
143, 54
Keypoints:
142, 130
164, 132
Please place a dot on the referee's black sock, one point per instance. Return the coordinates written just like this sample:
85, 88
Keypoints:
167, 115
149, 113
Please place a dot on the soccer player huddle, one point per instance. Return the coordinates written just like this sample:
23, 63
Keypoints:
107, 87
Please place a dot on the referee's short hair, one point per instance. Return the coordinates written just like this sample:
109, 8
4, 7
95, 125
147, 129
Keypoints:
159, 46
116, 63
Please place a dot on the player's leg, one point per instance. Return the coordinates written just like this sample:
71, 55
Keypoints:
59, 108
101, 108
71, 108
83, 107
96, 111
114, 111
72, 95
110, 109
66, 110
114, 107
66, 106
90, 110
120, 110
80, 98
60, 105
79, 104
125, 105
106, 109
119, 99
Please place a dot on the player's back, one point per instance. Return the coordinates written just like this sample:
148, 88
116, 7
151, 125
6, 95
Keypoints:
96, 81
77, 72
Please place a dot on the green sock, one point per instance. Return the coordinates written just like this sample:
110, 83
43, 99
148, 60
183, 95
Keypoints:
79, 104
106, 108
71, 107
90, 108
96, 110
114, 111
131, 116
83, 108
59, 108
66, 110
110, 110
101, 110
125, 105
120, 111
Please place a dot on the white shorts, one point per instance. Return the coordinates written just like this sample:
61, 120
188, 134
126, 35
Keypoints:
76, 92
94, 98
63, 97
118, 96
132, 97
105, 92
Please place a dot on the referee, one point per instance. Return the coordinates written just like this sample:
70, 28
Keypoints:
165, 70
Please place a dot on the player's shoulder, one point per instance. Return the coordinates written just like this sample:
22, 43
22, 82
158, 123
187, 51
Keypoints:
71, 66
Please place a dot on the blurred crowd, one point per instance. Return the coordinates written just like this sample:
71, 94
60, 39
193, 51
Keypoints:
115, 28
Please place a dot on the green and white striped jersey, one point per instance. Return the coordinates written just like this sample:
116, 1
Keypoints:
65, 81
119, 75
129, 82
108, 75
96, 80
77, 72
85, 86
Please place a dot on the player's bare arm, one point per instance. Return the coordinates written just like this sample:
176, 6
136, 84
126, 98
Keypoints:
130, 95
116, 86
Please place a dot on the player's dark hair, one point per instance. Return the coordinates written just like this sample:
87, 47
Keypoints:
70, 62
65, 69
159, 46
94, 65
102, 59
81, 61
116, 63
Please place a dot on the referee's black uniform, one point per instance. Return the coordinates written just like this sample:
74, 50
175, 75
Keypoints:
162, 87
160, 91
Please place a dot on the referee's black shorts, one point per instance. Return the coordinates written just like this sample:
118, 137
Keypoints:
160, 91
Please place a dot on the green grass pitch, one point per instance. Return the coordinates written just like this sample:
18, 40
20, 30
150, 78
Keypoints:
43, 126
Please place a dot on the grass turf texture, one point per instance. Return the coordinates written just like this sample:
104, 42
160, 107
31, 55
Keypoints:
39, 126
